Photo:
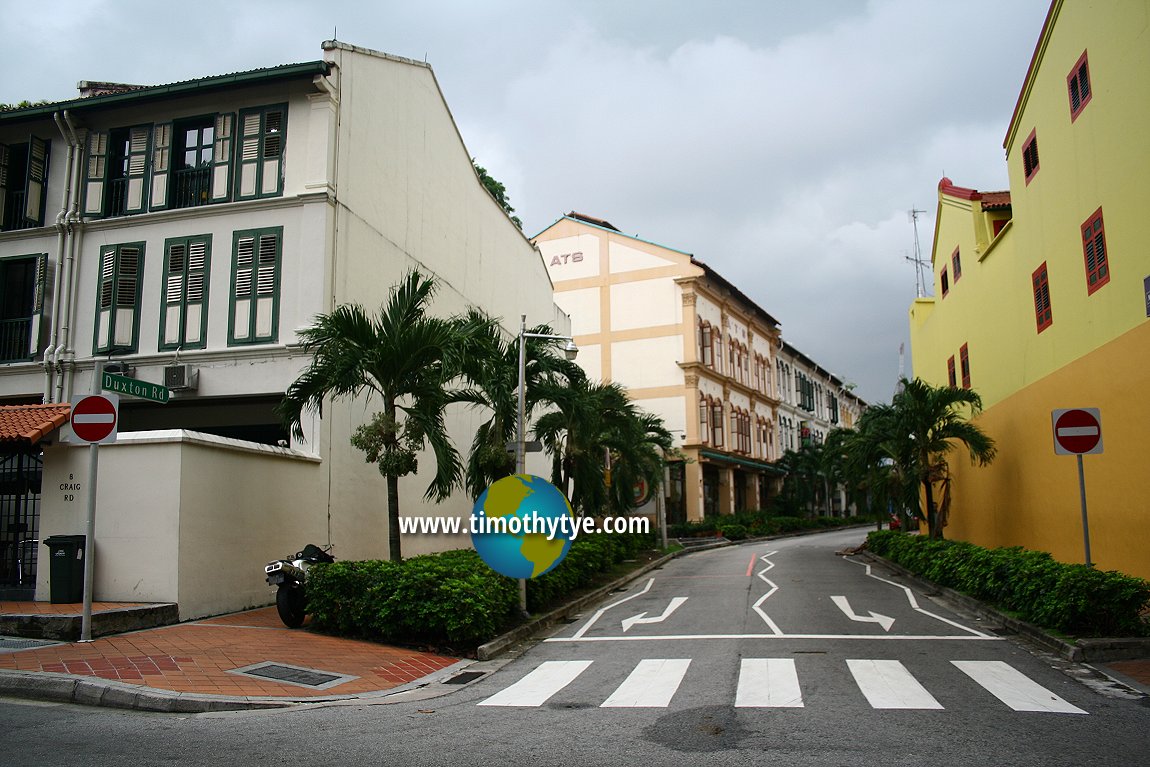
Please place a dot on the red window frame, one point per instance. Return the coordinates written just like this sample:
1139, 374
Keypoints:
1040, 282
951, 378
964, 364
1030, 155
956, 265
999, 224
1078, 87
945, 282
717, 423
704, 419
1094, 255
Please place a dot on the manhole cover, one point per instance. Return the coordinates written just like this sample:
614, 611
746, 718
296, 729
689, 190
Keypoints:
464, 678
297, 675
7, 644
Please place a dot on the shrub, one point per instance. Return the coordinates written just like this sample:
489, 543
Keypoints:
733, 531
1073, 599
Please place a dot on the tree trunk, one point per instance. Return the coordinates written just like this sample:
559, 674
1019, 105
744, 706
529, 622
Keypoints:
933, 528
393, 547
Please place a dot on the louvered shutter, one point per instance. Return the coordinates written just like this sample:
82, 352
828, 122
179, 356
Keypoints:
40, 303
255, 286
174, 285
105, 299
267, 279
139, 139
242, 291
127, 292
3, 181
34, 186
161, 164
272, 152
185, 293
249, 155
97, 176
222, 158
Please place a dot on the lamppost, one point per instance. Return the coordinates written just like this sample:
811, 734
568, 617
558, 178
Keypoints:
569, 351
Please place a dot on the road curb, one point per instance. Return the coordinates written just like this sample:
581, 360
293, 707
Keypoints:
1080, 651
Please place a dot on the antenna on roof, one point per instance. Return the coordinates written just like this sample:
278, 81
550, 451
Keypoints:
920, 266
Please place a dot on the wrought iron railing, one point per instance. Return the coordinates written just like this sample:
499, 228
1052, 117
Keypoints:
15, 339
191, 187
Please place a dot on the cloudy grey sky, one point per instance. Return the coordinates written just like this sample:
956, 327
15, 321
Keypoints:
780, 142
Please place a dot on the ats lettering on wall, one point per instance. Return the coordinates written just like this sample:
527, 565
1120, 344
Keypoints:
567, 258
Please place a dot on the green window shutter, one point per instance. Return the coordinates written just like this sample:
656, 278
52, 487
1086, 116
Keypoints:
44, 273
161, 164
222, 158
118, 297
34, 183
139, 141
260, 156
183, 318
3, 181
255, 286
97, 175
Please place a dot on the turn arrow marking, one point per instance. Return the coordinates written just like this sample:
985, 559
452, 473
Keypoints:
629, 622
882, 620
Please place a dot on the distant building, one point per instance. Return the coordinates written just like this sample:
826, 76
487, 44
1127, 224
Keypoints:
186, 233
692, 348
1042, 295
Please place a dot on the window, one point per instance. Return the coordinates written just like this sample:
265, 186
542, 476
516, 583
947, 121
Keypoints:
706, 344
118, 297
1030, 156
260, 162
998, 224
717, 423
964, 363
1094, 252
1078, 87
956, 265
950, 374
255, 286
1041, 284
704, 419
22, 282
945, 282
23, 169
183, 312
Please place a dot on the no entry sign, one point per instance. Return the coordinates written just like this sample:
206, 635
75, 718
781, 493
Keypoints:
94, 418
1077, 431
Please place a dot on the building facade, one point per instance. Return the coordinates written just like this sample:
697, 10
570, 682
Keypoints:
690, 347
185, 234
1042, 298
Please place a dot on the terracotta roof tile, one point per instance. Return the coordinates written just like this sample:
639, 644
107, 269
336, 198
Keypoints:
31, 423
995, 200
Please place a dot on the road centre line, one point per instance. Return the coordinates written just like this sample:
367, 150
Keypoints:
751, 565
914, 602
774, 587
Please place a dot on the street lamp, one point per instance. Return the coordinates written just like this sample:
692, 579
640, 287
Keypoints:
569, 351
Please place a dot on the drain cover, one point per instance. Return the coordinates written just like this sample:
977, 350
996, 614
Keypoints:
464, 678
8, 644
297, 675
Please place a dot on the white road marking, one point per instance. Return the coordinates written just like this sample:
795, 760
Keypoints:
651, 684
914, 602
885, 621
887, 684
675, 603
1014, 688
768, 683
599, 613
539, 685
757, 606
873, 637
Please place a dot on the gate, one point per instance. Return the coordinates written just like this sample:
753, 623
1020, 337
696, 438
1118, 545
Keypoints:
21, 473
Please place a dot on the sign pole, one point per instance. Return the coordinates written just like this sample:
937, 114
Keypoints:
90, 534
1085, 522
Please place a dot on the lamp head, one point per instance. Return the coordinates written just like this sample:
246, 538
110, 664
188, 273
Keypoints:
570, 350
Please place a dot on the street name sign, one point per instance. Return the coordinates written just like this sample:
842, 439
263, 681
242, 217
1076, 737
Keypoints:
133, 388
1077, 431
95, 417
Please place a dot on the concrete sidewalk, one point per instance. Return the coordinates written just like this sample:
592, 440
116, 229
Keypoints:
244, 660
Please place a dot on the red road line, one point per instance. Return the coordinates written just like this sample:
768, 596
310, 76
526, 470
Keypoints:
750, 565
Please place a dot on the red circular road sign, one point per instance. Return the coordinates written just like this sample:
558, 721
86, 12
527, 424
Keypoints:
1077, 431
94, 418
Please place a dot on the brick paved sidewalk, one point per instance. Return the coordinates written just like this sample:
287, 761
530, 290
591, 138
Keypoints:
200, 656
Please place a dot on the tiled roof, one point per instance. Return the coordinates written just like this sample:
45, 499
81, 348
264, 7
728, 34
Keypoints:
995, 200
31, 423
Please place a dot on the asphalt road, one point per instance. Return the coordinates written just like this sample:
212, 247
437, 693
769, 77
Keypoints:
767, 653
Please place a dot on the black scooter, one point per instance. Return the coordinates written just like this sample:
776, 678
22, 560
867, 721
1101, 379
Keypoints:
288, 576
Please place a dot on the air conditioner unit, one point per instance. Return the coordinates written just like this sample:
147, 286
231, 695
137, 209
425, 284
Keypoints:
181, 378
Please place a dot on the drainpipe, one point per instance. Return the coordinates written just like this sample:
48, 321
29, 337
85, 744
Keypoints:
65, 378
51, 354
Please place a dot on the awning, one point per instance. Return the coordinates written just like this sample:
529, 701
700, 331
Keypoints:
768, 468
28, 424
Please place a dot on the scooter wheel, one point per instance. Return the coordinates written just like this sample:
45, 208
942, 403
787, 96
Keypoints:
290, 604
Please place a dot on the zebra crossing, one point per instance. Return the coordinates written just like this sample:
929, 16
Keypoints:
774, 683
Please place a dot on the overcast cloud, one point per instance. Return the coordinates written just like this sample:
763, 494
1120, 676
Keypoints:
781, 143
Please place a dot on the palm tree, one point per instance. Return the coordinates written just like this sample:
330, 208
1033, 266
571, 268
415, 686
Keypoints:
406, 358
931, 420
491, 367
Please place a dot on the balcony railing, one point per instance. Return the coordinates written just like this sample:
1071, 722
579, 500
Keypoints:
15, 339
13, 213
117, 196
191, 187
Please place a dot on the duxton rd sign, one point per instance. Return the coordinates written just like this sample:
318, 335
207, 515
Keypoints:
133, 388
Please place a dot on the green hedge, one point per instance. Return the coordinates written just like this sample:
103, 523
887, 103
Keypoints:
754, 524
452, 597
1074, 599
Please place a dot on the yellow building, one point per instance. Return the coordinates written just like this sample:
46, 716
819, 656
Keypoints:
1042, 297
